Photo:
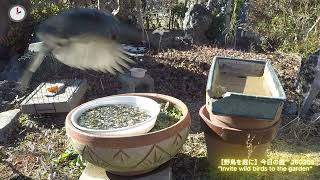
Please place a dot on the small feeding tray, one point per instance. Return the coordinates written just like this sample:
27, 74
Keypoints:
55, 97
239, 87
133, 51
116, 115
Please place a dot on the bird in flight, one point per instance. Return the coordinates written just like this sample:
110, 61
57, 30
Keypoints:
84, 39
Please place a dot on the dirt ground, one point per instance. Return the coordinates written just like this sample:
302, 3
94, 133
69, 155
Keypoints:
36, 149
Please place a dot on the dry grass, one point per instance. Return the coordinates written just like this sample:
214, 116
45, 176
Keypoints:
282, 148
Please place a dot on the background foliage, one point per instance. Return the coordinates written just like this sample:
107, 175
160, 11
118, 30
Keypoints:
42, 9
287, 24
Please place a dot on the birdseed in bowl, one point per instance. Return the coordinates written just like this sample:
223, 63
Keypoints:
113, 116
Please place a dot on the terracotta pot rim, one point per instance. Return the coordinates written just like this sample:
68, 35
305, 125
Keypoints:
223, 125
239, 136
136, 140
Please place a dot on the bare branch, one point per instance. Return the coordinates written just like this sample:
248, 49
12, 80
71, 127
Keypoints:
312, 27
116, 11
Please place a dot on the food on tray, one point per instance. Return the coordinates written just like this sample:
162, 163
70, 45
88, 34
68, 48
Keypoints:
55, 88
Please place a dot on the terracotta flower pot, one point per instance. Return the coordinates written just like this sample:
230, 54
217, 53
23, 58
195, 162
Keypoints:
219, 148
245, 122
239, 136
135, 154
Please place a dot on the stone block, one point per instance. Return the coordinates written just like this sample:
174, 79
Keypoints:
131, 84
91, 172
8, 121
38, 102
162, 173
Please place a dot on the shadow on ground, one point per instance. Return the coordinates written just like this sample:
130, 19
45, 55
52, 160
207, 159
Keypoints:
190, 168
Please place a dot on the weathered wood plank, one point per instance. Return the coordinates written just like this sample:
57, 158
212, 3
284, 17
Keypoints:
314, 90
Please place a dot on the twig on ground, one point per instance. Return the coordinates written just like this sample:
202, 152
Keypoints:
297, 118
315, 120
312, 27
101, 84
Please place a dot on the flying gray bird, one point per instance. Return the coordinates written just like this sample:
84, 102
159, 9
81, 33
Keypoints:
84, 39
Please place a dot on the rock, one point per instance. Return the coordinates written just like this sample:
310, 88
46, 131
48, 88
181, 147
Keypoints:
309, 81
8, 92
127, 11
131, 84
246, 38
8, 120
161, 173
13, 70
290, 108
3, 63
307, 73
196, 22
4, 53
92, 172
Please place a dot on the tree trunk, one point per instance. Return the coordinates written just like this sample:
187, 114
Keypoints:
4, 19
227, 17
140, 18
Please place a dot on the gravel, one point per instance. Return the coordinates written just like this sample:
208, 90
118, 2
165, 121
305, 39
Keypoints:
113, 117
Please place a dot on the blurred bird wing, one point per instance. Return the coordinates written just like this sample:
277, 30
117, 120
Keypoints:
96, 53
33, 66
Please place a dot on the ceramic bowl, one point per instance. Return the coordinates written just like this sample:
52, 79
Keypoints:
137, 154
150, 106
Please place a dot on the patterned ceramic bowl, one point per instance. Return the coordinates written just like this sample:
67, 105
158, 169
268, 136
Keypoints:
135, 154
